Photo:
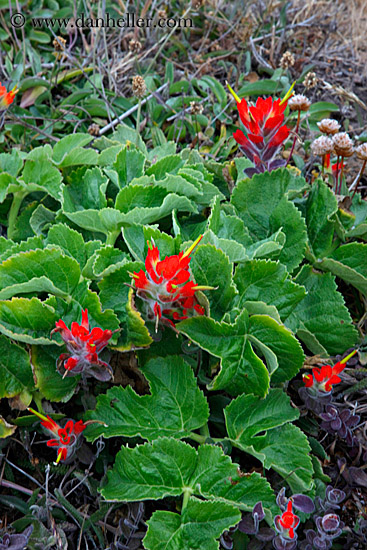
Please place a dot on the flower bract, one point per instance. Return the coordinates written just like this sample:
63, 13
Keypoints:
166, 288
84, 346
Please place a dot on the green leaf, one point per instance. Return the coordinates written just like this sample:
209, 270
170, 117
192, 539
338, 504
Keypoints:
11, 162
320, 207
24, 246
321, 320
105, 221
69, 151
115, 295
283, 447
197, 527
167, 467
266, 281
29, 321
86, 190
349, 262
41, 219
241, 369
71, 242
211, 267
45, 270
40, 175
129, 164
49, 382
105, 260
263, 205
167, 165
175, 407
15, 369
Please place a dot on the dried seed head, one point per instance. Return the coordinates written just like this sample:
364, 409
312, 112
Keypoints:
361, 151
322, 146
287, 60
162, 14
329, 126
196, 4
93, 130
310, 80
343, 145
135, 46
299, 102
59, 43
196, 108
138, 86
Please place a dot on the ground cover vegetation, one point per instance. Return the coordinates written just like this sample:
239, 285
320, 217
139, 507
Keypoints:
183, 277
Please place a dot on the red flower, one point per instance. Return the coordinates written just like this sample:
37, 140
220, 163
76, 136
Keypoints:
289, 521
165, 287
66, 438
6, 98
322, 379
265, 131
84, 345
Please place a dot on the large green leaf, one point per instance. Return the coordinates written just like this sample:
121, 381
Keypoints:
349, 262
29, 321
242, 370
45, 270
15, 369
320, 207
39, 174
266, 281
69, 151
211, 267
283, 447
86, 190
167, 467
175, 407
71, 241
129, 164
136, 237
263, 205
321, 320
199, 525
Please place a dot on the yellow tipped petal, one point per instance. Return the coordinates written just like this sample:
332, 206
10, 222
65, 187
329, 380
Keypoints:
59, 455
346, 359
191, 248
288, 94
41, 416
203, 287
233, 93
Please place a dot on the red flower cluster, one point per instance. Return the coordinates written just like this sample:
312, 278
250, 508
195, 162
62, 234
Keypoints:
83, 346
266, 131
165, 287
66, 438
6, 98
322, 379
287, 522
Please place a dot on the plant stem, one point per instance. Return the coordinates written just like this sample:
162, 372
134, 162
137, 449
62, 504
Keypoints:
186, 496
336, 175
295, 138
204, 430
341, 177
13, 212
138, 123
197, 437
112, 236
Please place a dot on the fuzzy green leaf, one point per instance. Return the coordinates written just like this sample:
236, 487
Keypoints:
15, 369
175, 407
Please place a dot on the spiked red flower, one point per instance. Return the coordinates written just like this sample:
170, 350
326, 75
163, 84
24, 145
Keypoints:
265, 131
165, 287
67, 438
6, 98
84, 346
322, 379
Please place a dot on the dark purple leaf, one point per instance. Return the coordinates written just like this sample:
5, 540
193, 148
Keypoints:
303, 503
